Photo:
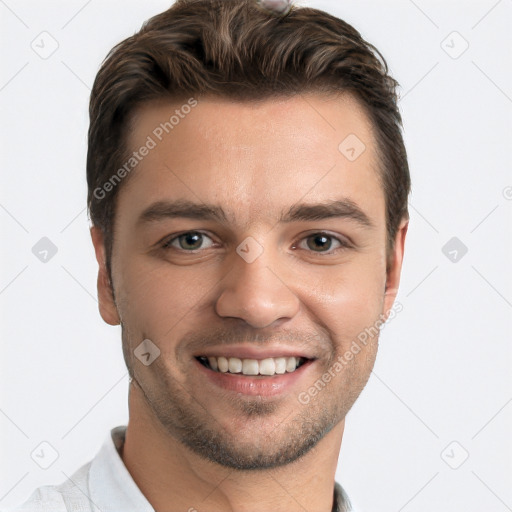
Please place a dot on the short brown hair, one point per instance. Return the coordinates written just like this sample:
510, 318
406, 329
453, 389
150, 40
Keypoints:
237, 49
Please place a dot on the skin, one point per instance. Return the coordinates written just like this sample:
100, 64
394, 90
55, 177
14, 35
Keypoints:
255, 160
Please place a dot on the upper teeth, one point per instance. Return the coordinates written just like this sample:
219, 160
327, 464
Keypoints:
268, 366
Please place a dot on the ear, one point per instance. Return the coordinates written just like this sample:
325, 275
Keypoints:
106, 303
394, 267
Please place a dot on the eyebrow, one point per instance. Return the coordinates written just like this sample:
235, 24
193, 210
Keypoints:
182, 208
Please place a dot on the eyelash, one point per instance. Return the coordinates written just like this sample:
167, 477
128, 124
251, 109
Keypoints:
343, 245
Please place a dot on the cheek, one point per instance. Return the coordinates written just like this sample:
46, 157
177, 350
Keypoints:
157, 299
346, 301
161, 301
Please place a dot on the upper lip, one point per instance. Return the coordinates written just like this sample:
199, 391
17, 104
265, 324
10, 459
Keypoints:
251, 352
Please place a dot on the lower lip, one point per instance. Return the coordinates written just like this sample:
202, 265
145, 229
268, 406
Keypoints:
255, 385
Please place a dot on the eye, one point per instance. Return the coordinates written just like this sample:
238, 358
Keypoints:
189, 241
324, 242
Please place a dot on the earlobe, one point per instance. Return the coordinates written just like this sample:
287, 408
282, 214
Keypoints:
106, 302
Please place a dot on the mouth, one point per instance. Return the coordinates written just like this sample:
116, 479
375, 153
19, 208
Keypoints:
266, 378
270, 372
267, 367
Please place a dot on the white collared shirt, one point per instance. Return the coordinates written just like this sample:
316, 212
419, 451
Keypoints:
105, 485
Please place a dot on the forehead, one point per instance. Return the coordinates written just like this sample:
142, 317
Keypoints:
254, 158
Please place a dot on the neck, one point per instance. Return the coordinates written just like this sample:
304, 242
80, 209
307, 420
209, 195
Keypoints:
167, 473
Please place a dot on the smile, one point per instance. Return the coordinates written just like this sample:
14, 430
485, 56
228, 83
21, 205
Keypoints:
269, 366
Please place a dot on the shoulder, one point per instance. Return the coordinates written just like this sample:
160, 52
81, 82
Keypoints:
69, 496
41, 500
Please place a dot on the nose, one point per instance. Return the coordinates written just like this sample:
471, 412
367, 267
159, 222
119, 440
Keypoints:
256, 293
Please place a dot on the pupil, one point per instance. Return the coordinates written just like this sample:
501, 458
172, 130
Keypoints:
324, 240
188, 237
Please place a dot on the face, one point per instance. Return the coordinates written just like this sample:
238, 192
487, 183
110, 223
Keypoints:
245, 238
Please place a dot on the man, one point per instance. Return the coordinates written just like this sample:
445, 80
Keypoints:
248, 189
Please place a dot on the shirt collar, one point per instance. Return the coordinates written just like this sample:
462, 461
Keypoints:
112, 488
341, 502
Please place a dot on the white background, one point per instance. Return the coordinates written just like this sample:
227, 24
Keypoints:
443, 372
